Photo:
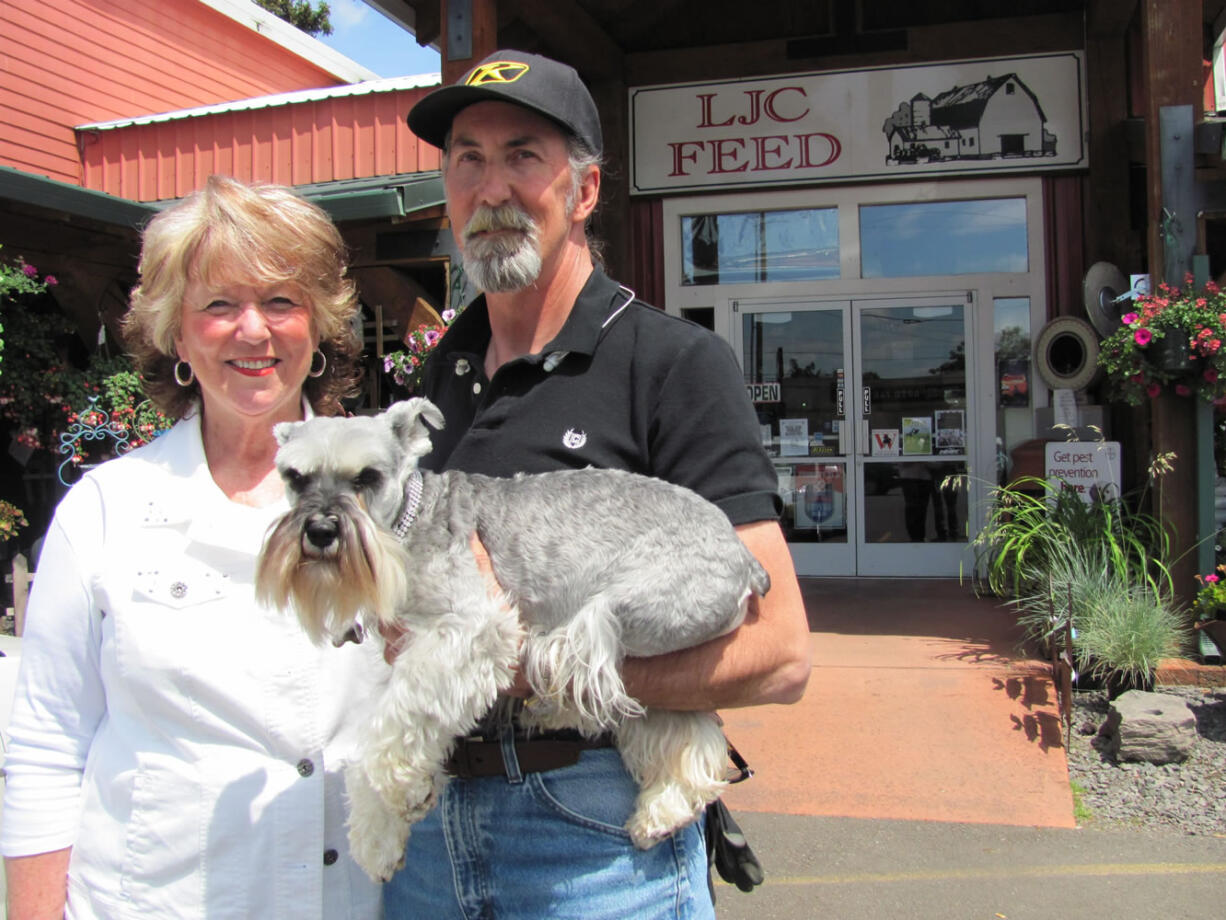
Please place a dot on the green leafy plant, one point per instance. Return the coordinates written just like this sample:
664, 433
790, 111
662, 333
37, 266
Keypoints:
12, 519
1033, 522
1193, 321
17, 282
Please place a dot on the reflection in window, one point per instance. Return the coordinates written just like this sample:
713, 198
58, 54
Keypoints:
1011, 317
1014, 424
943, 238
760, 246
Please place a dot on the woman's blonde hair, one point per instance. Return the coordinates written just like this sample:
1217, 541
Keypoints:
273, 236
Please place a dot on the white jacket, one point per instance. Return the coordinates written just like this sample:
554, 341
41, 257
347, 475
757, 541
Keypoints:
186, 743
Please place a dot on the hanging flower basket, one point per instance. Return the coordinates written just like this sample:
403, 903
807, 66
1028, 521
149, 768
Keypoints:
1171, 342
1172, 353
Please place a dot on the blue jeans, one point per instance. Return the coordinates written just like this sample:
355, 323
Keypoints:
547, 845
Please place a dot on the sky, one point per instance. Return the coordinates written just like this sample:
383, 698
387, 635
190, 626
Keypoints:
362, 33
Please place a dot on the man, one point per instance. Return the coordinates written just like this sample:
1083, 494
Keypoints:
557, 366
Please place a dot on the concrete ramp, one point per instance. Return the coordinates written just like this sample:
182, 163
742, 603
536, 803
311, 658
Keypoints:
921, 706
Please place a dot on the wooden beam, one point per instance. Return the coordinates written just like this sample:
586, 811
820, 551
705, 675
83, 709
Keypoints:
1171, 41
573, 36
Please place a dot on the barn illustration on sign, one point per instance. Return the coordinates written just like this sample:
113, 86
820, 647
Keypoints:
999, 117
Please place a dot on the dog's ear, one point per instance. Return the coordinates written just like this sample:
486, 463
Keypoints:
282, 431
407, 420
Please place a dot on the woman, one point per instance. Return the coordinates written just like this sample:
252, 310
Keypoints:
175, 747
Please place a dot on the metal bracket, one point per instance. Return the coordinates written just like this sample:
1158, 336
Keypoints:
459, 30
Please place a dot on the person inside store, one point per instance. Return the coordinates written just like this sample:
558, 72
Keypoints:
556, 365
175, 747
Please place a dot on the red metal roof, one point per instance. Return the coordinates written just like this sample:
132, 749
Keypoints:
299, 138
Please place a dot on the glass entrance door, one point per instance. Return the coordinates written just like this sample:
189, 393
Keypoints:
864, 409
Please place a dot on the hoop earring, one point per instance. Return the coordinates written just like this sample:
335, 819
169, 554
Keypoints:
323, 364
178, 372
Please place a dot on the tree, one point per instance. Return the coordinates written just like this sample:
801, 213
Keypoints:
313, 20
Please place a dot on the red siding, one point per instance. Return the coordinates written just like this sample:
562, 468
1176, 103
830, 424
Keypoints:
69, 62
350, 137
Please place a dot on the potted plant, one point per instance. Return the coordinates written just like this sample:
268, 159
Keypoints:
1210, 607
1172, 341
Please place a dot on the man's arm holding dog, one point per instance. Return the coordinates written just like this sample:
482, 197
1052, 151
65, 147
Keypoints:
765, 660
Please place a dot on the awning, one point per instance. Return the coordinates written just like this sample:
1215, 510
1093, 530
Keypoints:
42, 192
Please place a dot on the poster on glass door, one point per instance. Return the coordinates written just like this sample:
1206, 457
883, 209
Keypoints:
821, 502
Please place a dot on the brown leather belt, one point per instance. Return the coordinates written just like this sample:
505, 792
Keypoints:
474, 758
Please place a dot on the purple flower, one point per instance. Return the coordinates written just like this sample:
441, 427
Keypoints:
1142, 336
30, 270
388, 363
432, 336
448, 316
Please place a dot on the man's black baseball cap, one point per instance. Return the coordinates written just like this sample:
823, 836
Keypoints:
541, 84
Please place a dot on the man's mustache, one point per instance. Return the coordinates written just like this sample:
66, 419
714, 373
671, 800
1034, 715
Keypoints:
503, 217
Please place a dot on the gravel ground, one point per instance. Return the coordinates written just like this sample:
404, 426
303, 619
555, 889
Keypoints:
1189, 797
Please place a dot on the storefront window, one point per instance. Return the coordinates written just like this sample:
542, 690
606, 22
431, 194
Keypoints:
943, 238
759, 246
1011, 324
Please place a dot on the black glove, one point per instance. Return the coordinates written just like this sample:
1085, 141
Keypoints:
728, 850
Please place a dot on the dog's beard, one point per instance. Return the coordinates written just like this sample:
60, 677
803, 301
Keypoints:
502, 262
363, 574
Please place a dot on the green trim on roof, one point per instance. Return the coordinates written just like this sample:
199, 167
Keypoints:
44, 192
376, 197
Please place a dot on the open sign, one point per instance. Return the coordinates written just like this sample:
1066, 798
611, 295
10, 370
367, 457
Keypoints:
765, 392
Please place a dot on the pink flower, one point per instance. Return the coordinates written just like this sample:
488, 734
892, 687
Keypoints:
1142, 336
51, 280
29, 270
1211, 374
1183, 389
1129, 318
1212, 579
1153, 390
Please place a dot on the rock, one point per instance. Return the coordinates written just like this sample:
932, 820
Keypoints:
1150, 727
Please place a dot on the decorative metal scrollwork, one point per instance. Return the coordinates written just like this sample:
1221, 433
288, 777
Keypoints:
92, 425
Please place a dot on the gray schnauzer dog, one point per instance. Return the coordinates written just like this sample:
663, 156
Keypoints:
593, 565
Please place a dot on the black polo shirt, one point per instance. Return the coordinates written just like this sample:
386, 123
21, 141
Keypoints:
622, 386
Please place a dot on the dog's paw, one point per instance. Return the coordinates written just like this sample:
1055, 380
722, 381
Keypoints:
644, 834
661, 811
378, 855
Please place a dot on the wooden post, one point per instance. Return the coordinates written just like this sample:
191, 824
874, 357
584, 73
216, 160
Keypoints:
1171, 40
21, 592
469, 34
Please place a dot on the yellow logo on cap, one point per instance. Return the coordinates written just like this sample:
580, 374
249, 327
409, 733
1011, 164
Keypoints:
497, 72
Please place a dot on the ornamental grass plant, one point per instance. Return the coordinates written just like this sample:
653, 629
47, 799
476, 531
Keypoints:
1102, 566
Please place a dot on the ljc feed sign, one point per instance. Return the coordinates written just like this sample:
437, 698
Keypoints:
991, 115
